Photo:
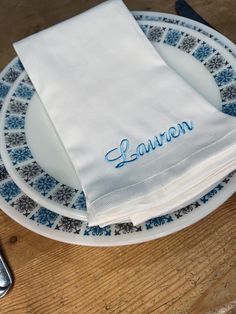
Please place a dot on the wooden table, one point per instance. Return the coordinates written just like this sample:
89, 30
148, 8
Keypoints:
192, 271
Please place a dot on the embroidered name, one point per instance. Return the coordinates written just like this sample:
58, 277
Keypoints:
122, 155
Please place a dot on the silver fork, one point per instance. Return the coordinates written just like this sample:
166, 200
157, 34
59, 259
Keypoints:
6, 279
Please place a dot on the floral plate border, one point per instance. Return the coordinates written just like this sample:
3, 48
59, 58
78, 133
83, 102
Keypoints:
43, 221
66, 200
188, 23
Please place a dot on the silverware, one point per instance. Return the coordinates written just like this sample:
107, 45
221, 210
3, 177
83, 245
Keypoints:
184, 9
6, 278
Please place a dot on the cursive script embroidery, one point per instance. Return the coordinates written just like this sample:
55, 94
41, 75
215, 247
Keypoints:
122, 155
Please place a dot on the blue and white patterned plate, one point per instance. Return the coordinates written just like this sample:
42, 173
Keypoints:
43, 221
30, 143
187, 23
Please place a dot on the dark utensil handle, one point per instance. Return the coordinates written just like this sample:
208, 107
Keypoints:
184, 9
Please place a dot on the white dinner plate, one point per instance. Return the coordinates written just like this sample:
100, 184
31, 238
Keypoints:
34, 155
30, 214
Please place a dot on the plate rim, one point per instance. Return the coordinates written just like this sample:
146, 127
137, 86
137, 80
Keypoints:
185, 222
208, 29
53, 206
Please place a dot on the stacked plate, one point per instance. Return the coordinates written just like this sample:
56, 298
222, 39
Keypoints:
38, 186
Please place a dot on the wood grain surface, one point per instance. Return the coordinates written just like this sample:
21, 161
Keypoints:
192, 271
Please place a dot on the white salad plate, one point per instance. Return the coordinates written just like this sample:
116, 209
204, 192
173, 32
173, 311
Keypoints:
38, 167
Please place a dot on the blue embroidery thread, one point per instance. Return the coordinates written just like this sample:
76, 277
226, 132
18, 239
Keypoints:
142, 148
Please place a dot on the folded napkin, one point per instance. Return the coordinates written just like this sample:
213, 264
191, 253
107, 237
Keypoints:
142, 141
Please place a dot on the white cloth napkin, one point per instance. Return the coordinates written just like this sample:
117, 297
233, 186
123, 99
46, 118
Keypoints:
142, 141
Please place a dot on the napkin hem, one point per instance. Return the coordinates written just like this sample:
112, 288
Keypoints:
141, 216
92, 212
167, 169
